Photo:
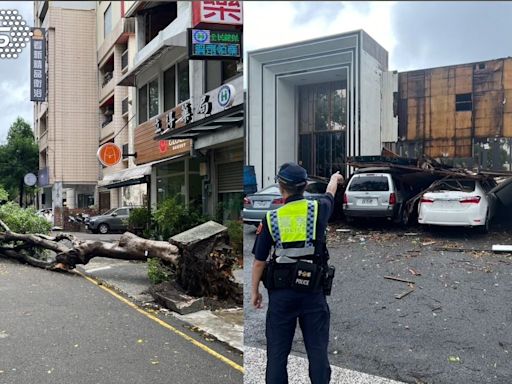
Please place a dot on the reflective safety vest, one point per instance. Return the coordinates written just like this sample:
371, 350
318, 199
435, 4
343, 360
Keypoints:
295, 222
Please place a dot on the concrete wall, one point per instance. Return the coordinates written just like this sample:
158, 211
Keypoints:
389, 122
371, 88
274, 75
73, 117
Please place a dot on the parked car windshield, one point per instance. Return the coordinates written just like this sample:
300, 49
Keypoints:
456, 185
369, 183
109, 211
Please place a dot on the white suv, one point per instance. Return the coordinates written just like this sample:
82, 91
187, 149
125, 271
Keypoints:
372, 194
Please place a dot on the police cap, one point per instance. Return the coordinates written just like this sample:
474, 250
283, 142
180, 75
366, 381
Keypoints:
292, 174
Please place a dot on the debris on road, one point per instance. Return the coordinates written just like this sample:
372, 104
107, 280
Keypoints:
414, 272
399, 279
501, 248
450, 249
454, 359
428, 243
403, 294
411, 234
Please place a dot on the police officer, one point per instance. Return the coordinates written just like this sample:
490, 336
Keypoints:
296, 275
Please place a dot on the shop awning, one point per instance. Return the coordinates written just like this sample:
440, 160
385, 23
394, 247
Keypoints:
139, 174
130, 176
232, 117
147, 56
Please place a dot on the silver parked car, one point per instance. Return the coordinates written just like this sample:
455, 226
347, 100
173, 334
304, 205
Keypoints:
115, 219
370, 193
258, 204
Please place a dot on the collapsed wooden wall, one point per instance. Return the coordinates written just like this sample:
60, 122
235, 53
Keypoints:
427, 105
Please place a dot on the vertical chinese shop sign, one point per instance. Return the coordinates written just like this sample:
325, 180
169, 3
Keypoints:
38, 65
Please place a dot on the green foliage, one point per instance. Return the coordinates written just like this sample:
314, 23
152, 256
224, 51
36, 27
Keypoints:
173, 217
236, 236
18, 156
158, 272
139, 220
23, 220
3, 194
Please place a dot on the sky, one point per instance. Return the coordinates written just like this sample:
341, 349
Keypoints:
416, 34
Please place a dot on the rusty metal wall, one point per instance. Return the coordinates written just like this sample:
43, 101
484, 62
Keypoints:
427, 107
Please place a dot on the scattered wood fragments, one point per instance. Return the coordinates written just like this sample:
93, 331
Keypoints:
428, 243
414, 272
411, 284
403, 294
399, 279
447, 249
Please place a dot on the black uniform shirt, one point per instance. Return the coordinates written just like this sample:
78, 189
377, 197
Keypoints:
264, 241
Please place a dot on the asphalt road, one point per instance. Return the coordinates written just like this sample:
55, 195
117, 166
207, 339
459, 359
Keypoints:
456, 327
61, 328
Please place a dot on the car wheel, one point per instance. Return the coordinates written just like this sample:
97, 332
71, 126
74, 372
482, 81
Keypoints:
404, 220
485, 228
103, 228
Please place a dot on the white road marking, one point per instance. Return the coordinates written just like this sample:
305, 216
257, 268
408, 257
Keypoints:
97, 269
255, 360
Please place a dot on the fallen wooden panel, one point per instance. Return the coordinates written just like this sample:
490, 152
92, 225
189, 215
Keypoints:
403, 294
501, 248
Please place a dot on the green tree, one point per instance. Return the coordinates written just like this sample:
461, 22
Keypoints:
18, 156
3, 194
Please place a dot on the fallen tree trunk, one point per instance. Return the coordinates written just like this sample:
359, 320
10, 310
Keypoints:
70, 251
206, 264
201, 257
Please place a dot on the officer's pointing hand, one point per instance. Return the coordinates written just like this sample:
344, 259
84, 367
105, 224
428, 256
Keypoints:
338, 177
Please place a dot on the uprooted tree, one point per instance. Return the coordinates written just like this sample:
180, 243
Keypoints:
203, 267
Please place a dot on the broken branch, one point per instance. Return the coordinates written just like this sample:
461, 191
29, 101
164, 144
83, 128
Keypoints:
399, 279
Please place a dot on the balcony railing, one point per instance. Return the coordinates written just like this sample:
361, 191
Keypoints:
106, 78
106, 122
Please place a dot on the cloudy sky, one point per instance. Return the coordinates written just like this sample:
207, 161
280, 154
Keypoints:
416, 35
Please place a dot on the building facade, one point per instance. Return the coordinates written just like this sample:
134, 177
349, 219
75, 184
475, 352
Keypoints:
460, 114
66, 124
117, 70
189, 144
116, 46
318, 102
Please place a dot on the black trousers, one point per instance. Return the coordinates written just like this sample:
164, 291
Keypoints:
285, 308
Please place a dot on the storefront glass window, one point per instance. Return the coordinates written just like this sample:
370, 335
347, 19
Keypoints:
171, 186
230, 205
172, 182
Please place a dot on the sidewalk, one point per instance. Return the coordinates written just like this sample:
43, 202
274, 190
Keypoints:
131, 279
255, 360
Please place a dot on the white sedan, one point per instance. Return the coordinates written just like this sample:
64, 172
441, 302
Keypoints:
458, 202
